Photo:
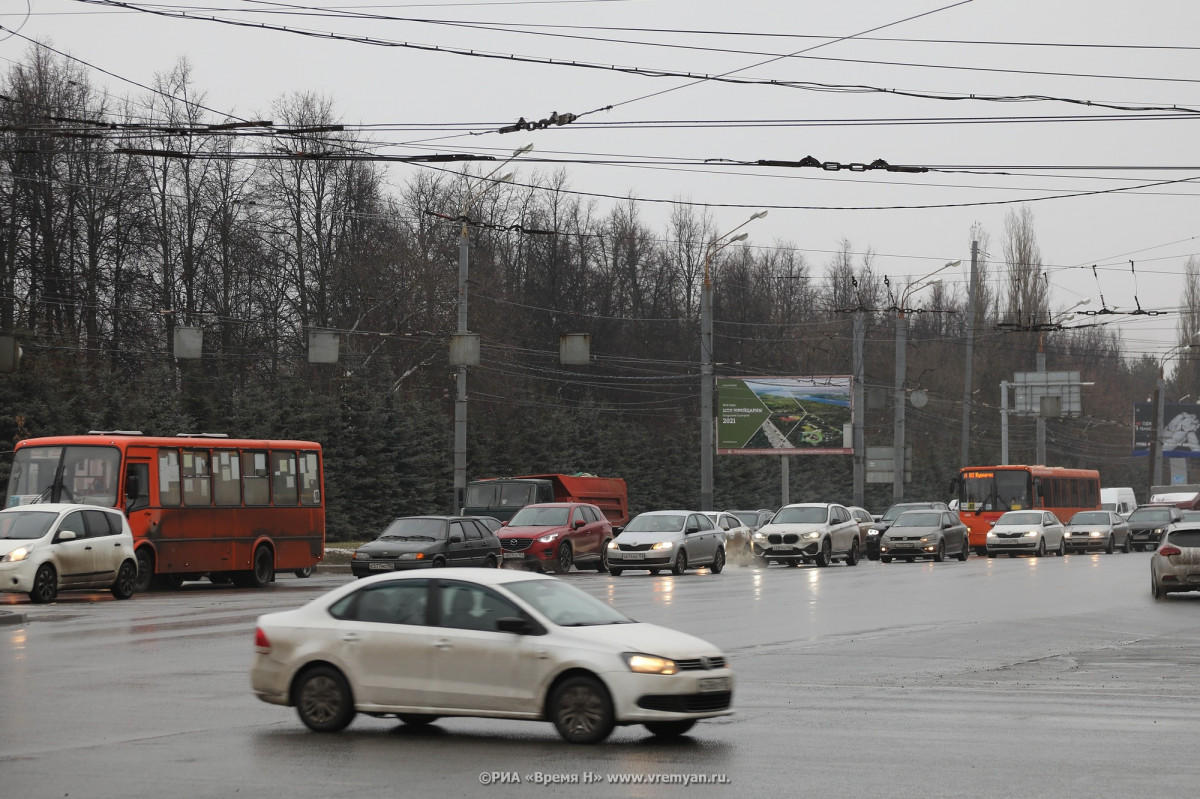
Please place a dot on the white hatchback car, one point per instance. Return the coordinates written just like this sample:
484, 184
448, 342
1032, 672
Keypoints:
51, 547
1034, 532
484, 642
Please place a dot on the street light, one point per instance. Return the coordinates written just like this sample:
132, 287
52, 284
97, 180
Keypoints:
460, 400
901, 344
1158, 410
706, 361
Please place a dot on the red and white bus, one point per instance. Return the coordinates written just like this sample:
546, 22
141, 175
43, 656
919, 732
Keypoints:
205, 504
986, 492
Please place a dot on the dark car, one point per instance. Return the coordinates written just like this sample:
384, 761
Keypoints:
553, 536
1149, 523
890, 515
422, 542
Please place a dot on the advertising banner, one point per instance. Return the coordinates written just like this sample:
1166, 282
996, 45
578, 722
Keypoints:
1181, 429
783, 415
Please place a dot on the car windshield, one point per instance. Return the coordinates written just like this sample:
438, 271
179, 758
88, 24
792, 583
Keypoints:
566, 605
657, 523
811, 515
1150, 515
747, 517
891, 513
916, 519
26, 524
415, 530
1020, 518
1089, 517
539, 517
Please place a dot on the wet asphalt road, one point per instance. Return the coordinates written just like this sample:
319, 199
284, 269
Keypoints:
991, 678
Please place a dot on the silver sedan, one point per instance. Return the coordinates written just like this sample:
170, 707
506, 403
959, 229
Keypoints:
1098, 530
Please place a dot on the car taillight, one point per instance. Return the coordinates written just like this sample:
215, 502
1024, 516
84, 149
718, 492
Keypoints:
262, 644
1170, 550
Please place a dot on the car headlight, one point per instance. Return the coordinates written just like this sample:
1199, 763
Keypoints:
759, 536
812, 534
649, 664
548, 537
613, 544
360, 555
1096, 533
1159, 530
872, 532
18, 554
1030, 534
664, 545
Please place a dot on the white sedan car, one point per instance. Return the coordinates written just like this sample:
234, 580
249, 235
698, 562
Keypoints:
50, 547
808, 532
1034, 532
484, 642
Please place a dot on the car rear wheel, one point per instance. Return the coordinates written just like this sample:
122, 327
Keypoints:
825, 556
126, 580
1155, 589
581, 710
681, 563
962, 553
562, 563
718, 561
670, 729
602, 564
490, 562
323, 699
45, 585
1128, 546
884, 559
852, 558
1062, 547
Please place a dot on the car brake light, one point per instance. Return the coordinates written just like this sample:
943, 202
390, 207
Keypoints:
262, 644
1170, 550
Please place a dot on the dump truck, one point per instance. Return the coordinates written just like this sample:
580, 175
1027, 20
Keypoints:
501, 497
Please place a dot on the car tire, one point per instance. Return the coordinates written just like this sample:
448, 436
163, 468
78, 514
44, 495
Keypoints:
416, 719
654, 571
1040, 552
991, 554
964, 552
439, 563
852, 557
1156, 590
615, 572
1111, 546
825, 556
884, 559
562, 561
123, 586
940, 555
681, 563
323, 699
304, 573
45, 585
762, 562
872, 556
490, 562
602, 564
670, 729
145, 567
1128, 546
718, 561
581, 710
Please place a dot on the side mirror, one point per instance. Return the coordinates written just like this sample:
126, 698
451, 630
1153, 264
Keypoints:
504, 523
66, 535
579, 523
456, 539
515, 625
692, 529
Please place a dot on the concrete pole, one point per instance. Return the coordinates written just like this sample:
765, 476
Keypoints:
785, 492
706, 391
1003, 422
898, 398
964, 457
460, 399
860, 411
1041, 420
1159, 412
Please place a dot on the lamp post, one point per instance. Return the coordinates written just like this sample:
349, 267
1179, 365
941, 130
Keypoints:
1157, 411
460, 399
901, 346
706, 362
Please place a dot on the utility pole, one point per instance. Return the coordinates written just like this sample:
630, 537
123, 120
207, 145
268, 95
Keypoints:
965, 451
860, 410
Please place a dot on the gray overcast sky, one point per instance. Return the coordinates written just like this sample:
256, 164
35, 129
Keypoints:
1143, 55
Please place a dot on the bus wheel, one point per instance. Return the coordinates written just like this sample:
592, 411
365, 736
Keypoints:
264, 568
145, 570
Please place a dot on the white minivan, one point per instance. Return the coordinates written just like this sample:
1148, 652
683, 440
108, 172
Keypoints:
1119, 500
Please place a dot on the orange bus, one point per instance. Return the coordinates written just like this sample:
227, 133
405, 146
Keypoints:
985, 492
235, 510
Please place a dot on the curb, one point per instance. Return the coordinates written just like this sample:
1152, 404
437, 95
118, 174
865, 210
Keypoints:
7, 618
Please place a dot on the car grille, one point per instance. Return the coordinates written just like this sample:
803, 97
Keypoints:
695, 664
686, 703
788, 538
515, 544
1010, 535
634, 547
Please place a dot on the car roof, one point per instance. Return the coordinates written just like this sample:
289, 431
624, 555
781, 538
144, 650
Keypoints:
553, 505
59, 507
466, 574
811, 505
666, 512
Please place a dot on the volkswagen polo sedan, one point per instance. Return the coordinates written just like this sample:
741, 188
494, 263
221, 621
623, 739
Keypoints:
495, 643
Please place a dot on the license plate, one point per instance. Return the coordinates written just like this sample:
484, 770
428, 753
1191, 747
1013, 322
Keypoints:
633, 555
714, 684
514, 555
381, 567
783, 549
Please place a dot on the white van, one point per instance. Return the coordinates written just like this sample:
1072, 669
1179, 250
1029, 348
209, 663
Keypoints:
1121, 500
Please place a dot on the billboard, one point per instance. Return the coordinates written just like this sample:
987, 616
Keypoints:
1181, 429
783, 415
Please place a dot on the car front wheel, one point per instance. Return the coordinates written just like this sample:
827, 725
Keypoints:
681, 562
45, 585
581, 710
718, 561
940, 555
825, 557
562, 563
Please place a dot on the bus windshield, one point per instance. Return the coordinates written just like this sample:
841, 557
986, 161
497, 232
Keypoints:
987, 489
83, 474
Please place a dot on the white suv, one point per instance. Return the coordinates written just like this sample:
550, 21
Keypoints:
46, 548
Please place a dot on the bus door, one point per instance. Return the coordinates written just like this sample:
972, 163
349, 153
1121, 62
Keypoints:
136, 492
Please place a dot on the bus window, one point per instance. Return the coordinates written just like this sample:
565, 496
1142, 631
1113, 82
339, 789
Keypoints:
310, 479
197, 490
255, 479
169, 487
284, 490
227, 478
